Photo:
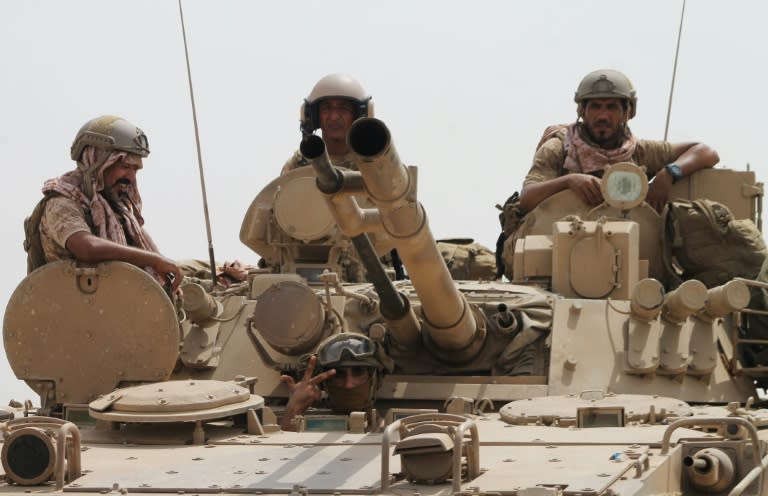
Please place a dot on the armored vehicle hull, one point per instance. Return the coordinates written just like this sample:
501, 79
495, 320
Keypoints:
581, 376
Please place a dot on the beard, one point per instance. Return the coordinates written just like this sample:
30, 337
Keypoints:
604, 136
118, 194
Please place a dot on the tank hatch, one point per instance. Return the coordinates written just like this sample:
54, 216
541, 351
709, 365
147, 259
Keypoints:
594, 409
175, 401
77, 332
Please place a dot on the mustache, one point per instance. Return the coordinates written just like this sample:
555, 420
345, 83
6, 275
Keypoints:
124, 181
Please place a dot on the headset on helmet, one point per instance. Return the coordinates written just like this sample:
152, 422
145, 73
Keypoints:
334, 86
606, 83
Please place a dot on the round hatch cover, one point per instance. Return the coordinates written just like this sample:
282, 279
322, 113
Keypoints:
564, 409
89, 328
301, 210
175, 401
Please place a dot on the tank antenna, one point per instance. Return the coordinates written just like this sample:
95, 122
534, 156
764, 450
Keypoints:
674, 71
199, 154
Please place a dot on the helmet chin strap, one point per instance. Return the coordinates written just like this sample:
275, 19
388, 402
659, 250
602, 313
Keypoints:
88, 175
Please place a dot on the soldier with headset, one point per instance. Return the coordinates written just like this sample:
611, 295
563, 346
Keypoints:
574, 156
334, 103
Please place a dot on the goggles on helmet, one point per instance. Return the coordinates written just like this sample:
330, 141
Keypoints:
346, 347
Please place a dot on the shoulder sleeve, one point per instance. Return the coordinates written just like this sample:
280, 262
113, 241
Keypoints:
547, 162
654, 155
62, 218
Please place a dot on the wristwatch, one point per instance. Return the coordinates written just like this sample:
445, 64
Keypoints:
675, 172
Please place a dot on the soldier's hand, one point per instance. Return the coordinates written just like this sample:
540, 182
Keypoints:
168, 271
658, 191
305, 393
587, 187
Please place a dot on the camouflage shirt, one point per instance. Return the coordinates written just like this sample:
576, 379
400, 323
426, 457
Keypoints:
62, 218
549, 158
297, 160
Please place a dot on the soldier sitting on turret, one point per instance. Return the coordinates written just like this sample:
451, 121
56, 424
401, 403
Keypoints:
350, 368
93, 213
574, 156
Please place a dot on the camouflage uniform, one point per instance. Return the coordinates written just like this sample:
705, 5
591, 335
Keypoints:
549, 158
62, 218
297, 160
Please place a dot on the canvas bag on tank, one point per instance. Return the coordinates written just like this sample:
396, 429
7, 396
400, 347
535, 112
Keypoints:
703, 241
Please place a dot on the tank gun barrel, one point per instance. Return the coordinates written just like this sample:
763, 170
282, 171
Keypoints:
449, 323
394, 306
329, 179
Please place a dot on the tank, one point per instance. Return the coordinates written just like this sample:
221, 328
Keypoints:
588, 374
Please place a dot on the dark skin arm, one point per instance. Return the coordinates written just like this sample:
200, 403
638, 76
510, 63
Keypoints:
587, 188
91, 249
691, 157
302, 394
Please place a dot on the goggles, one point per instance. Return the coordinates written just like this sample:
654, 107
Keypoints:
349, 346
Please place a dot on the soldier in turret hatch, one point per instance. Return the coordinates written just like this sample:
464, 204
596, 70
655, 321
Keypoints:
574, 156
350, 368
334, 103
93, 213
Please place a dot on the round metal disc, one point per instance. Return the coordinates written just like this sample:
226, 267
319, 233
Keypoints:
290, 317
175, 401
87, 329
301, 211
636, 406
624, 186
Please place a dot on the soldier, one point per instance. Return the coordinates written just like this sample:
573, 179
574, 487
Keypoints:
332, 106
93, 213
350, 368
574, 156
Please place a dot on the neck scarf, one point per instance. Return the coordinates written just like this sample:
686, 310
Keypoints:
118, 226
582, 155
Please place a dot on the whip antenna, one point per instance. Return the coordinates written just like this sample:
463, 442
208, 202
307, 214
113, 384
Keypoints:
674, 71
199, 154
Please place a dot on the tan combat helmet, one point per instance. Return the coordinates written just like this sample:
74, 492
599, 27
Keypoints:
334, 86
108, 132
606, 83
348, 349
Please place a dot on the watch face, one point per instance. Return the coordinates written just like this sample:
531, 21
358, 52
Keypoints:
675, 172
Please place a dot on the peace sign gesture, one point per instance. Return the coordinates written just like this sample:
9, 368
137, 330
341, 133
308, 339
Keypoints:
302, 394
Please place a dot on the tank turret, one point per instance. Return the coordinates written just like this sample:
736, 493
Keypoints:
562, 365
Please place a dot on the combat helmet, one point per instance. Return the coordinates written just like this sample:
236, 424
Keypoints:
334, 86
109, 133
606, 83
348, 349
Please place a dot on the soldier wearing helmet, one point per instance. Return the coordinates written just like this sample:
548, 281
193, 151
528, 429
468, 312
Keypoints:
574, 156
332, 106
350, 366
93, 213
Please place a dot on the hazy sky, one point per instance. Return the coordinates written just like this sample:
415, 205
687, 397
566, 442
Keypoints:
466, 89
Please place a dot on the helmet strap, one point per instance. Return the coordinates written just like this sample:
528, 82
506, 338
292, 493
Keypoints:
88, 175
